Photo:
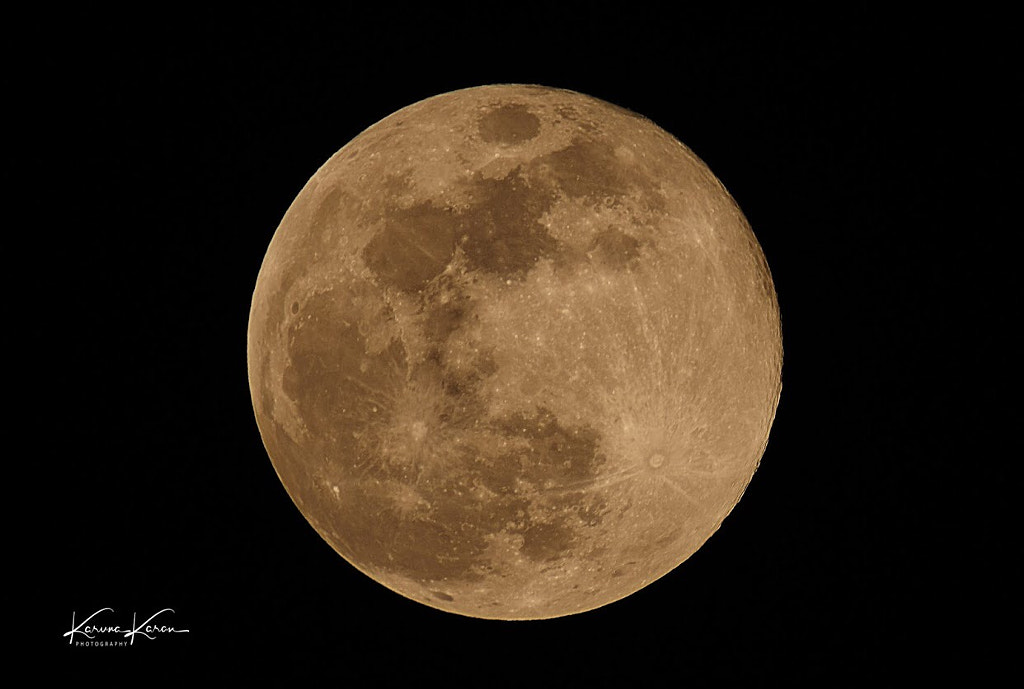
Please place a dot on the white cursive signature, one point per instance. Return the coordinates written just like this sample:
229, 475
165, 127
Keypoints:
146, 629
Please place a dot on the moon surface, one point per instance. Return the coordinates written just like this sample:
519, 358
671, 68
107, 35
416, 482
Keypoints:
514, 352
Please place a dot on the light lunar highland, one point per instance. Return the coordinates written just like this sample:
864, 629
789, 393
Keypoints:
514, 352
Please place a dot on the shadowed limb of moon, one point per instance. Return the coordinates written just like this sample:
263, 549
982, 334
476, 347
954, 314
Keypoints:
514, 352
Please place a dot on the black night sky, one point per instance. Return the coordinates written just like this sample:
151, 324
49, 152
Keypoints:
161, 152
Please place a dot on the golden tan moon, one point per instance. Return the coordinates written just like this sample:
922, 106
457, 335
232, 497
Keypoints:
514, 352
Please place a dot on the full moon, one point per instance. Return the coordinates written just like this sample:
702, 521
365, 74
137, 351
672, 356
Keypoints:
514, 352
